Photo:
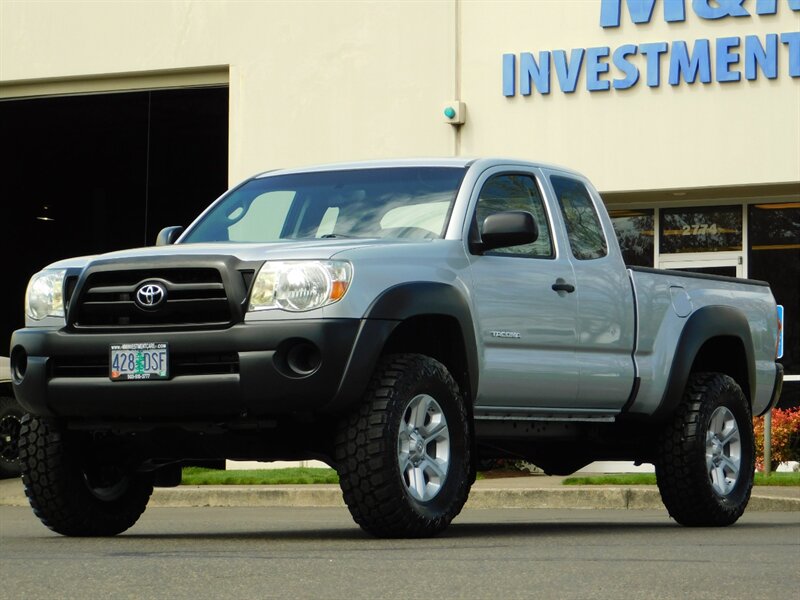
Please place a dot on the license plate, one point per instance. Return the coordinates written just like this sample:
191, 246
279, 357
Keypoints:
139, 362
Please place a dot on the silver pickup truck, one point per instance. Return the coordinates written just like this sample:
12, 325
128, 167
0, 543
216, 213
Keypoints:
401, 320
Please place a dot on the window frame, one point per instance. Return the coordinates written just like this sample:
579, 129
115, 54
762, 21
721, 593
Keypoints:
474, 232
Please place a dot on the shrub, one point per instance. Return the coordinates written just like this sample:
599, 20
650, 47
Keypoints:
785, 437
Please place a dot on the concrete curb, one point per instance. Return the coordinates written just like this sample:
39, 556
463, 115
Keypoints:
230, 495
577, 497
589, 497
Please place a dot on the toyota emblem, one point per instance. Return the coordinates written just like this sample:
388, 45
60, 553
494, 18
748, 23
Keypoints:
150, 295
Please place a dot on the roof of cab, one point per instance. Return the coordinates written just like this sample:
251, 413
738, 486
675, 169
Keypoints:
459, 162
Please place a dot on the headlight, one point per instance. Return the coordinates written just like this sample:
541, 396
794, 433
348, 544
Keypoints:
300, 285
44, 296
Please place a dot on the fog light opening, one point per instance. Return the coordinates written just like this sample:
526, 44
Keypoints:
19, 363
303, 359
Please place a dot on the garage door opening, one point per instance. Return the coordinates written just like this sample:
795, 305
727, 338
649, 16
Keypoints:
90, 174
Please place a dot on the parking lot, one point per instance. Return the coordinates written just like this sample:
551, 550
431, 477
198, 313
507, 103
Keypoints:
487, 553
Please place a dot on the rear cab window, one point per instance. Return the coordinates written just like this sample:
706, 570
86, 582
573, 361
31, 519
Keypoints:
584, 231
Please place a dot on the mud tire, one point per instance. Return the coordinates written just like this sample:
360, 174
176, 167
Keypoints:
392, 491
57, 483
705, 468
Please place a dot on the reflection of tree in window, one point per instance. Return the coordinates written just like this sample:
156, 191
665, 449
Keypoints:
515, 192
774, 256
775, 225
635, 232
701, 229
583, 225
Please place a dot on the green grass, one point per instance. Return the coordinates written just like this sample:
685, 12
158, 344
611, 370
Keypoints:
291, 476
618, 479
784, 479
787, 479
302, 475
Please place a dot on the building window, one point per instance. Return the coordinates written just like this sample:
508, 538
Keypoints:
636, 234
774, 256
701, 229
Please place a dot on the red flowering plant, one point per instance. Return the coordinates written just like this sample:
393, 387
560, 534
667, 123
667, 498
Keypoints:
785, 437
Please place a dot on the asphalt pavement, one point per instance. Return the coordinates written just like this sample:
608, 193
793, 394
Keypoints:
535, 491
320, 553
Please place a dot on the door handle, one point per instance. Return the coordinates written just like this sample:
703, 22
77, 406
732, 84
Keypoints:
563, 286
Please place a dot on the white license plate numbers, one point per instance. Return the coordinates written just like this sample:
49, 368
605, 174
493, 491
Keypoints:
139, 362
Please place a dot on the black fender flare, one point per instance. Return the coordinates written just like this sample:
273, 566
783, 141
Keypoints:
393, 306
703, 325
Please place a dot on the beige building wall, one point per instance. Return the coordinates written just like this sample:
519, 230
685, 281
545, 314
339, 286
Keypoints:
641, 138
309, 81
328, 81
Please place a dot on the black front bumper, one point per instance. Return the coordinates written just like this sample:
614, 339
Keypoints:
62, 373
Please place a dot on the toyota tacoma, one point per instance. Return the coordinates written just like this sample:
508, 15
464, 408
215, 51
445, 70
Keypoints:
401, 320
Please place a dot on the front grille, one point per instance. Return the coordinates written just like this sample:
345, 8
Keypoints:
194, 297
180, 364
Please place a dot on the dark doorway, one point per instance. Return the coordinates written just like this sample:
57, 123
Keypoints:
89, 174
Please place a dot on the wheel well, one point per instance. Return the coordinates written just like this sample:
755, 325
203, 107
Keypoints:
724, 354
437, 336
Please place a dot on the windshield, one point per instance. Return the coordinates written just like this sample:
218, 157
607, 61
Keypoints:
398, 202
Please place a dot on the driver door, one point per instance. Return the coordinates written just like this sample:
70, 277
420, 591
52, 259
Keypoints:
526, 329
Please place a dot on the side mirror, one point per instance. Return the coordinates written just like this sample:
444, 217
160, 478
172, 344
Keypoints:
509, 228
168, 235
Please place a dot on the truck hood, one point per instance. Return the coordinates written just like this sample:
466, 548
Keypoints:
290, 250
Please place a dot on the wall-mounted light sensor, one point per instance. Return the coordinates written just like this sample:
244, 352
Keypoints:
455, 112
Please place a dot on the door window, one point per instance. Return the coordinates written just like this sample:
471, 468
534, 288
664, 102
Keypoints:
515, 192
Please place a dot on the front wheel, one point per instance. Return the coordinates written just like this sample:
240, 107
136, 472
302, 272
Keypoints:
73, 493
707, 454
404, 456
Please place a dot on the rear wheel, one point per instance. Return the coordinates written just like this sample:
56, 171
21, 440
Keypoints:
70, 491
404, 456
707, 454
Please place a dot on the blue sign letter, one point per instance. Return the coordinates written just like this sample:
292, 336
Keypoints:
594, 68
568, 72
653, 53
509, 89
766, 7
726, 58
723, 8
681, 63
792, 40
641, 11
538, 73
770, 7
630, 70
755, 54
